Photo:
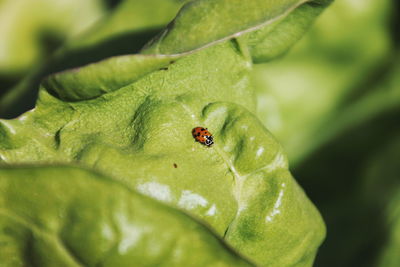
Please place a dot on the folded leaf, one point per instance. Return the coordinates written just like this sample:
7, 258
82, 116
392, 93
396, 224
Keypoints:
202, 23
69, 216
131, 118
269, 27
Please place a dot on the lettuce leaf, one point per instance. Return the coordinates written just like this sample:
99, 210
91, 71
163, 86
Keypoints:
69, 216
130, 118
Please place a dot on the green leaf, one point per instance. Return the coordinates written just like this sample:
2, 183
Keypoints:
131, 117
176, 42
276, 39
202, 23
68, 216
277, 26
240, 186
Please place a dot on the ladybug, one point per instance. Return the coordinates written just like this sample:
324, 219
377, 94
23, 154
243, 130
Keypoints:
202, 135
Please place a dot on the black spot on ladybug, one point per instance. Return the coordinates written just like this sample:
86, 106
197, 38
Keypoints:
198, 134
202, 129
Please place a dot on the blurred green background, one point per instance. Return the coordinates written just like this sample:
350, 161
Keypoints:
333, 101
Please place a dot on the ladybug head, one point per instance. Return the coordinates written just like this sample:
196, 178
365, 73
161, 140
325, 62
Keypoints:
209, 140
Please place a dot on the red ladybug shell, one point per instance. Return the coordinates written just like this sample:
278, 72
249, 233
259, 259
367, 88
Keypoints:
202, 135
